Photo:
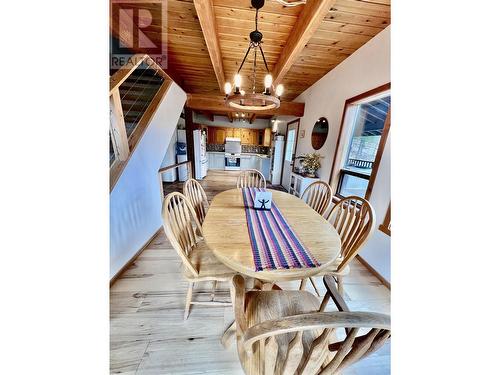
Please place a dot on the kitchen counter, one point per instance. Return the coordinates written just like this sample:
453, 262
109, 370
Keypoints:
261, 162
264, 156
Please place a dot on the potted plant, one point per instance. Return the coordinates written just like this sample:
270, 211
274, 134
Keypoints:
310, 163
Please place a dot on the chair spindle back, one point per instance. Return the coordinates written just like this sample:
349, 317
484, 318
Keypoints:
251, 178
354, 219
181, 225
197, 197
318, 196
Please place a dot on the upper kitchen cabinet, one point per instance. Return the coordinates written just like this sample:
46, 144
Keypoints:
267, 137
236, 132
220, 136
247, 137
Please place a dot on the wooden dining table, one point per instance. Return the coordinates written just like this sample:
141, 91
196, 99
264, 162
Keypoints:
226, 234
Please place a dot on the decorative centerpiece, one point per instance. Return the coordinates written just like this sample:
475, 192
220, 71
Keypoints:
263, 200
310, 163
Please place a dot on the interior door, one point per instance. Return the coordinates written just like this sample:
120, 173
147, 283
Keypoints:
289, 158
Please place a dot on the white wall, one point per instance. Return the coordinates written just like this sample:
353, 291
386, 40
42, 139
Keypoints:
366, 69
135, 202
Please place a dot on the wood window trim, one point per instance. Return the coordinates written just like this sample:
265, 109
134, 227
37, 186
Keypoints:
383, 139
386, 224
297, 120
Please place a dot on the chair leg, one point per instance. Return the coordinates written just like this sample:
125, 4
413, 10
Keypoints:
214, 286
189, 296
324, 302
303, 283
340, 285
314, 285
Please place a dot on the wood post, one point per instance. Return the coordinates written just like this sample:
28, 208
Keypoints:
117, 128
188, 116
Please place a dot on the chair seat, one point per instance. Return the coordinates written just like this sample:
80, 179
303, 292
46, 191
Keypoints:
207, 265
333, 269
275, 304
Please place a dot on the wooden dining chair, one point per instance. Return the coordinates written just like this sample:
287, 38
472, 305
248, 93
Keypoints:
289, 332
251, 178
183, 230
197, 197
354, 220
318, 196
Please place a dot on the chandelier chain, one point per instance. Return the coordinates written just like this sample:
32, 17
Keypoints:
254, 67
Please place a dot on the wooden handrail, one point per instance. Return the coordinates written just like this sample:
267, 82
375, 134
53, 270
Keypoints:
164, 169
129, 143
173, 166
125, 71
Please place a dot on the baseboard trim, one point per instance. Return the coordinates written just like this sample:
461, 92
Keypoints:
374, 272
132, 260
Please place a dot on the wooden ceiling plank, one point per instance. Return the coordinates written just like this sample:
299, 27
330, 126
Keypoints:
269, 7
308, 22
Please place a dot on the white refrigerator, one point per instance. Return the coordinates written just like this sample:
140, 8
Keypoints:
277, 148
200, 154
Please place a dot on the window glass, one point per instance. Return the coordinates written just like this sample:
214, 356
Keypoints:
290, 143
367, 130
353, 185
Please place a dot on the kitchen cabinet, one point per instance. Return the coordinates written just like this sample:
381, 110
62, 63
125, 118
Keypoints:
246, 137
255, 137
299, 183
236, 133
246, 162
216, 160
220, 136
267, 137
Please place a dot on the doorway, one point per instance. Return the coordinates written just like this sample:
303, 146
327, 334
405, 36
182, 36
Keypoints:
292, 132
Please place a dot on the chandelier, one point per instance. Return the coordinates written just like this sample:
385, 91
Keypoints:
253, 102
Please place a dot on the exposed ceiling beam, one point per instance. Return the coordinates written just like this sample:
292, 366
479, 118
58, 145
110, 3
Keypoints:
306, 25
252, 118
217, 103
206, 16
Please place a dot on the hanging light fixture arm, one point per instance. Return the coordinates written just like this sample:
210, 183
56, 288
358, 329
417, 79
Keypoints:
244, 59
254, 102
263, 58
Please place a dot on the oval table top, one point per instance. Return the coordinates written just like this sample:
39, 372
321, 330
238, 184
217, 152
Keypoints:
226, 233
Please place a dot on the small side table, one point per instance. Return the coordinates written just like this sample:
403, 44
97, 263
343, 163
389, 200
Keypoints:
299, 183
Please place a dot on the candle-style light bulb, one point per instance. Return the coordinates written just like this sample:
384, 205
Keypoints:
237, 80
279, 90
227, 88
268, 81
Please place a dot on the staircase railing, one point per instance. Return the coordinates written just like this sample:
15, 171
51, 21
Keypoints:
125, 135
169, 168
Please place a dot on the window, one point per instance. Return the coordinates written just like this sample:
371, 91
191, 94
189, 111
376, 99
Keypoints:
367, 121
290, 144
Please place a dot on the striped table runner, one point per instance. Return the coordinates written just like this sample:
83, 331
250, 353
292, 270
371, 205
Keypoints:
275, 245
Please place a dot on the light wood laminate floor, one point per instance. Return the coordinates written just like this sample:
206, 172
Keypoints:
149, 335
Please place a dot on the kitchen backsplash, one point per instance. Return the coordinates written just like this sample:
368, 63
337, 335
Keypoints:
255, 149
215, 147
244, 149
